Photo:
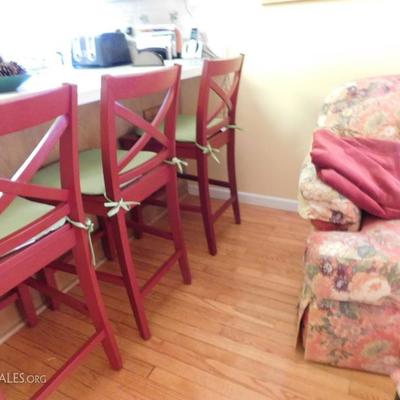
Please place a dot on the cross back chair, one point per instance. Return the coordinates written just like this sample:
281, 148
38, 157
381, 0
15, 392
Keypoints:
202, 136
139, 183
115, 181
39, 224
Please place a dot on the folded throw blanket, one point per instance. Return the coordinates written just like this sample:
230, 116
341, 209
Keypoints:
366, 171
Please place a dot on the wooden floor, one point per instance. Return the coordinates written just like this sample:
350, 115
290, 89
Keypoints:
230, 335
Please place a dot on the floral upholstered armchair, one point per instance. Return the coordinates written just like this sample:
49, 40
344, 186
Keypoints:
349, 313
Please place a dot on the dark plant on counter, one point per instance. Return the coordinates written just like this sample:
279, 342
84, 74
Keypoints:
10, 68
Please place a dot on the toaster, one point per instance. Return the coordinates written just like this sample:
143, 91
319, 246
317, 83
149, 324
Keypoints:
103, 50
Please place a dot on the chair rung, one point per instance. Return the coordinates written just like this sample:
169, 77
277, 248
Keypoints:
223, 208
110, 278
98, 234
155, 202
215, 182
151, 230
188, 177
8, 299
160, 272
190, 207
63, 266
57, 295
69, 366
101, 276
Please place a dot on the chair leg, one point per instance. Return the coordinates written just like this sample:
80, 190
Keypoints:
175, 223
136, 214
93, 300
49, 276
107, 240
26, 303
206, 210
128, 273
232, 177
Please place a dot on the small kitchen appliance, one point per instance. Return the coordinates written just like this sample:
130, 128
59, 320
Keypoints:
104, 50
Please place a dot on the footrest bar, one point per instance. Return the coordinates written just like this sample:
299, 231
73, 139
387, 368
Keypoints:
189, 207
68, 367
215, 182
110, 278
223, 208
7, 300
57, 295
101, 276
63, 267
155, 202
160, 272
150, 230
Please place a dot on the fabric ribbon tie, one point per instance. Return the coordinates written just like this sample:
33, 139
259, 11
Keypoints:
231, 126
209, 150
178, 163
88, 226
115, 206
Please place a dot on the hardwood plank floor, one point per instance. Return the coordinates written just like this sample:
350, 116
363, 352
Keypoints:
229, 336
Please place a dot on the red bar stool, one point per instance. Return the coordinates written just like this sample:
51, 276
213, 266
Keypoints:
115, 181
201, 136
38, 223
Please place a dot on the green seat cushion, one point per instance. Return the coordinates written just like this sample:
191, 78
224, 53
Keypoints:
22, 212
186, 128
91, 170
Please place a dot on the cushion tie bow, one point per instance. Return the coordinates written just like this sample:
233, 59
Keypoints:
231, 126
88, 226
209, 150
178, 163
115, 206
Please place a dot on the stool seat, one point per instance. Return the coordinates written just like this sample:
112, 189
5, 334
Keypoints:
22, 212
91, 170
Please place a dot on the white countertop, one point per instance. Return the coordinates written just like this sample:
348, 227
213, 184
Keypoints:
88, 80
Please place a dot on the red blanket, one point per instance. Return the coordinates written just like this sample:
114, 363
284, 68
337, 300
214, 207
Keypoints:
366, 171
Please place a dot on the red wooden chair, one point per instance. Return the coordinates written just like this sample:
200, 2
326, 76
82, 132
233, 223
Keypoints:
38, 224
201, 136
115, 181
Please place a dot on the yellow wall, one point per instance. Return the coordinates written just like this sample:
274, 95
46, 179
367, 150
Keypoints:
295, 54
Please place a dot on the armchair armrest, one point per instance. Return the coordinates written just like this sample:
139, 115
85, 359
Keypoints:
324, 206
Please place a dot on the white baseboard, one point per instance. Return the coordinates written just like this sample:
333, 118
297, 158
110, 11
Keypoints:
279, 203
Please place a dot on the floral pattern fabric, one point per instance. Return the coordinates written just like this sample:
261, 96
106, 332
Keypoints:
353, 335
350, 305
368, 107
318, 201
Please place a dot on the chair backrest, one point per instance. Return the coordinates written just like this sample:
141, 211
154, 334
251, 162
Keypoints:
223, 78
58, 105
365, 107
115, 89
